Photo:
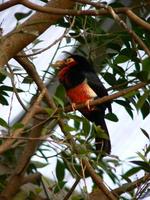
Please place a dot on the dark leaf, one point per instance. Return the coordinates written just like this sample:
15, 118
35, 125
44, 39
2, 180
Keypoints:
21, 15
59, 186
145, 110
60, 92
144, 165
131, 172
121, 59
68, 128
3, 123
145, 133
111, 117
46, 1
17, 126
2, 78
109, 78
27, 80
3, 100
146, 65
142, 99
86, 126
60, 170
99, 132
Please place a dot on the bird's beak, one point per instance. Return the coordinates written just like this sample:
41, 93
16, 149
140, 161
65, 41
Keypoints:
59, 64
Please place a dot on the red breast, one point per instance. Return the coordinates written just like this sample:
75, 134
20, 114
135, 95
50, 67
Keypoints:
81, 93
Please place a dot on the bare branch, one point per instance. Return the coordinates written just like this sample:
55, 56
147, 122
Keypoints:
130, 186
8, 4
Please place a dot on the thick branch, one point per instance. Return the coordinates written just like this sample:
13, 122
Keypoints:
29, 31
30, 69
17, 178
8, 4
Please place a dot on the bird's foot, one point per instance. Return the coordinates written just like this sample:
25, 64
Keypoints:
87, 104
73, 105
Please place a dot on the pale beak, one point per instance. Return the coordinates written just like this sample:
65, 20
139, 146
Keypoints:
59, 64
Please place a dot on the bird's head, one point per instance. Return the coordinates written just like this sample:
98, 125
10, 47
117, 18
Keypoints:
74, 60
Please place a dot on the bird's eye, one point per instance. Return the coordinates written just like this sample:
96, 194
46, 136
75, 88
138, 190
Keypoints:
69, 60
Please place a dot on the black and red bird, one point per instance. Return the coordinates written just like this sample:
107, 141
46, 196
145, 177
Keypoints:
82, 84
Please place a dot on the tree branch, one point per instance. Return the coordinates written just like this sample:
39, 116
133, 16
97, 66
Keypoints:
8, 4
29, 31
106, 98
130, 186
29, 115
31, 178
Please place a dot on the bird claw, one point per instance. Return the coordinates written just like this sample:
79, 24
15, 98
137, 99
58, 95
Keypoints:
87, 103
73, 105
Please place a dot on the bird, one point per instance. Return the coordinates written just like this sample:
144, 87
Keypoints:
82, 84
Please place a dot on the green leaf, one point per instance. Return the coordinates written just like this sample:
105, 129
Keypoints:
2, 77
3, 123
109, 78
86, 127
21, 15
145, 110
121, 59
142, 156
146, 64
130, 94
6, 88
27, 80
68, 128
100, 132
17, 126
112, 117
3, 100
142, 99
49, 111
60, 170
126, 105
58, 101
131, 172
144, 165
60, 92
59, 186
145, 133
143, 76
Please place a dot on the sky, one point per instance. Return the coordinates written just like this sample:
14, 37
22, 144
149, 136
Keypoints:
126, 136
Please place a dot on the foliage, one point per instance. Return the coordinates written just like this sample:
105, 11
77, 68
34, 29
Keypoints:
121, 63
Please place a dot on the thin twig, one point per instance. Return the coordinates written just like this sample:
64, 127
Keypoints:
130, 186
71, 190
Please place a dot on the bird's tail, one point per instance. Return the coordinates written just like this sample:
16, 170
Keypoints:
102, 140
